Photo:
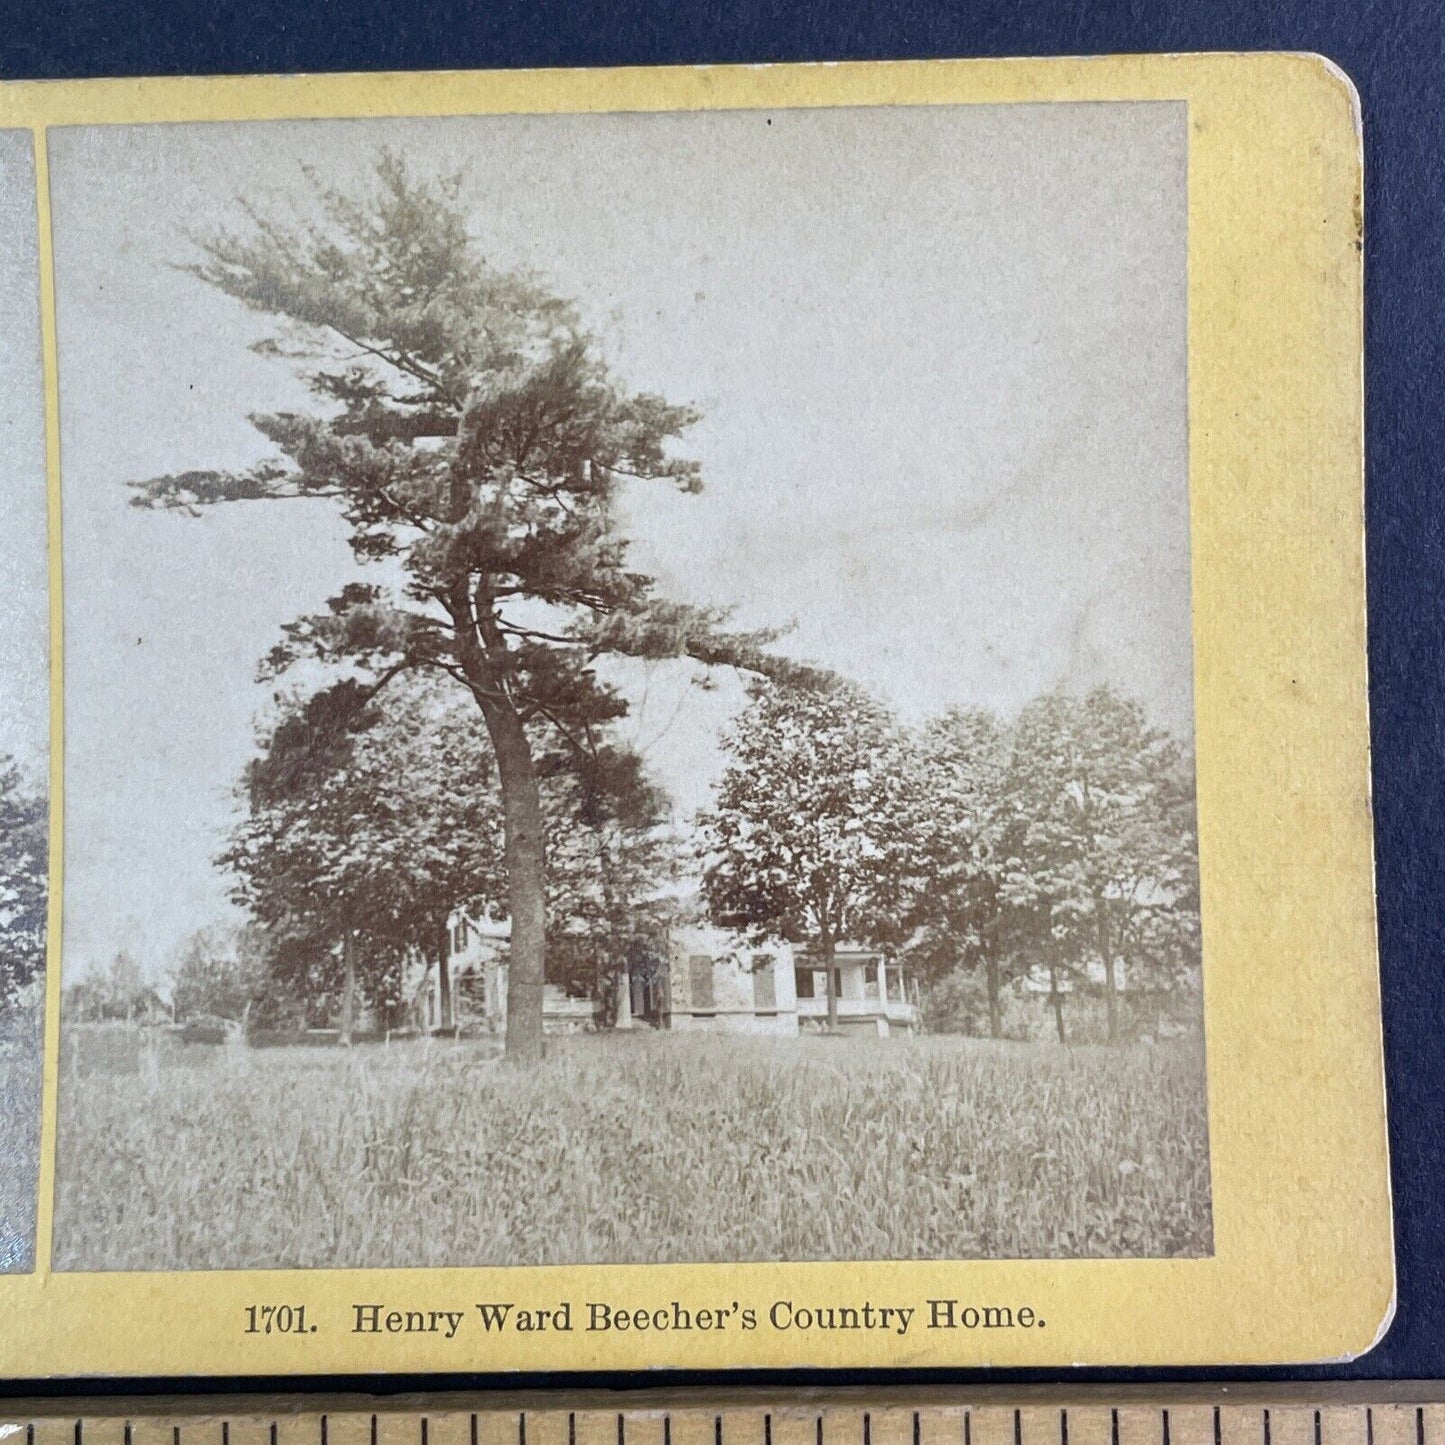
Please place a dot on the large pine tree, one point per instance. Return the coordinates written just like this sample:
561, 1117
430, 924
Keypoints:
468, 429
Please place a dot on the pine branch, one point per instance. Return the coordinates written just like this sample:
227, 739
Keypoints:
189, 492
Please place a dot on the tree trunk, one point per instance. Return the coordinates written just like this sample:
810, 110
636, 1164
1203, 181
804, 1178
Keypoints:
348, 984
1057, 1000
526, 856
445, 1009
995, 1017
614, 953
827, 949
482, 650
1111, 993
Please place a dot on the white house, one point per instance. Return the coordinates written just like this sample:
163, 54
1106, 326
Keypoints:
875, 993
719, 984
713, 981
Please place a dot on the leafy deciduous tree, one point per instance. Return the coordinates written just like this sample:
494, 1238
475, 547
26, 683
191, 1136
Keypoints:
219, 973
366, 826
962, 757
1101, 842
810, 836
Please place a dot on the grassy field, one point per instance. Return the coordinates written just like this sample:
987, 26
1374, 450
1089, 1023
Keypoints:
19, 1145
640, 1148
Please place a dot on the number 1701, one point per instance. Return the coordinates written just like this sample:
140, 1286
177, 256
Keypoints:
276, 1320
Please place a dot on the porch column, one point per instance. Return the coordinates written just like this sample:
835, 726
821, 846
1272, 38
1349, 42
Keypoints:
624, 1000
882, 982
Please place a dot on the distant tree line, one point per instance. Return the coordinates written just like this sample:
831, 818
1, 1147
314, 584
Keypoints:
120, 992
1057, 846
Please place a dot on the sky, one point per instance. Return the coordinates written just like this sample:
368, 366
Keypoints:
24, 615
940, 356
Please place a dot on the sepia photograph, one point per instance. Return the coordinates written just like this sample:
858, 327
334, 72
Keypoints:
24, 706
628, 691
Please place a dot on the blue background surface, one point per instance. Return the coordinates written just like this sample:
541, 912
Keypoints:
1395, 52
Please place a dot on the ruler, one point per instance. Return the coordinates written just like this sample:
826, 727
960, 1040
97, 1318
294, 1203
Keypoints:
1409, 1414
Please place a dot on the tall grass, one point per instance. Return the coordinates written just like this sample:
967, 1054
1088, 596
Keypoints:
648, 1148
20, 1070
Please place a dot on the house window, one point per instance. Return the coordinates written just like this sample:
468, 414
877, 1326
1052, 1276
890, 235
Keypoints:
804, 982
459, 935
699, 975
870, 971
765, 988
